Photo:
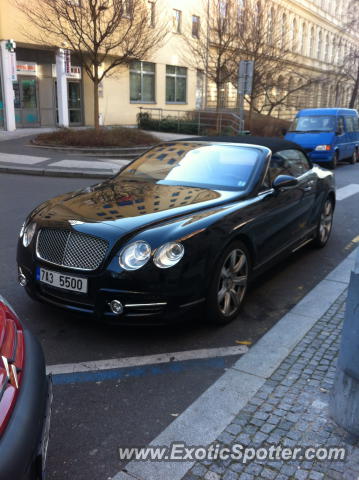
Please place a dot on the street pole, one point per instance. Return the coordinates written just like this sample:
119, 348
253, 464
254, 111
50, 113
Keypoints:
205, 106
344, 401
245, 81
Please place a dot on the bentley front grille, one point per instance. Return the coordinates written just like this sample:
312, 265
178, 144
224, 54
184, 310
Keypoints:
70, 249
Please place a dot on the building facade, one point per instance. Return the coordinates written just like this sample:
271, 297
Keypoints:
169, 80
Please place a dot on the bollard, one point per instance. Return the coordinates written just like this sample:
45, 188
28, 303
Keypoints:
344, 401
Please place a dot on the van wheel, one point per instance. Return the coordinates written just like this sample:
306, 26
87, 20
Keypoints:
354, 157
334, 162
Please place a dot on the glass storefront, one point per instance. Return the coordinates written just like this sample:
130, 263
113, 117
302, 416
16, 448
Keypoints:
25, 102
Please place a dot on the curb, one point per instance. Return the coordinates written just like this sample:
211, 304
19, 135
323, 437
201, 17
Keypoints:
123, 152
56, 172
208, 416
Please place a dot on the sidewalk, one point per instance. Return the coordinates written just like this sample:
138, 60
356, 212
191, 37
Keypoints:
18, 156
291, 409
276, 394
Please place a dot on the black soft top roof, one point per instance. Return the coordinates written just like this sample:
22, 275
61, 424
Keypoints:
274, 144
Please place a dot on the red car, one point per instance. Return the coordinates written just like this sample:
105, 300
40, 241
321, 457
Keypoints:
25, 400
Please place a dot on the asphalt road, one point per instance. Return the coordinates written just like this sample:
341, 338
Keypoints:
92, 419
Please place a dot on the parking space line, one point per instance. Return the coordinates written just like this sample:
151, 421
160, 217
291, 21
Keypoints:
118, 374
129, 362
347, 191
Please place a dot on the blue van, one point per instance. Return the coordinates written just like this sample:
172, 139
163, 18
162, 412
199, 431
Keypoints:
328, 135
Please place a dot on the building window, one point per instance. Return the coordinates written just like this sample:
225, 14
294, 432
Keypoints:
152, 8
311, 42
195, 26
284, 31
142, 82
127, 8
176, 84
177, 20
319, 45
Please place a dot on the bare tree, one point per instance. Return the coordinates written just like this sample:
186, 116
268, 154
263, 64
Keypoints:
103, 34
347, 71
256, 30
271, 43
213, 48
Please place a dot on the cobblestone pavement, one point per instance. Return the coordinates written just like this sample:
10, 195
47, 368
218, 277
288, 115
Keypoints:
291, 409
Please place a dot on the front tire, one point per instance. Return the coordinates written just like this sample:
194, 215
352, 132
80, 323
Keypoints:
333, 164
325, 224
354, 157
229, 284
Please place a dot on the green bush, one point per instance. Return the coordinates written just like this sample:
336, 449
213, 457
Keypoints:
166, 124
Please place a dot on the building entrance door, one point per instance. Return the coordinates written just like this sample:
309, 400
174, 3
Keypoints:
26, 102
75, 102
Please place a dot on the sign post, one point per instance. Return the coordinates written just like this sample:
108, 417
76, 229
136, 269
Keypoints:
245, 82
62, 65
8, 71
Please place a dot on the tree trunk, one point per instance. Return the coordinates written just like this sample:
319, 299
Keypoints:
96, 109
354, 95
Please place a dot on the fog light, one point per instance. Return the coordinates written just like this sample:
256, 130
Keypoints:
116, 307
22, 279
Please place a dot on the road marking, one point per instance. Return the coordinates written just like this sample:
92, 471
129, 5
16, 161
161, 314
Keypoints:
21, 159
84, 164
347, 191
117, 374
129, 362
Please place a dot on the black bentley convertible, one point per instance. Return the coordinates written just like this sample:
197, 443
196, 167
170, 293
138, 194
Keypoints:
185, 225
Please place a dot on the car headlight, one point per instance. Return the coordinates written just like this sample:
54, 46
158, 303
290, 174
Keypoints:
135, 256
168, 255
322, 148
28, 234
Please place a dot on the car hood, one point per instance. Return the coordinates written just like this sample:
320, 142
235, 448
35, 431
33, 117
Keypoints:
310, 140
128, 205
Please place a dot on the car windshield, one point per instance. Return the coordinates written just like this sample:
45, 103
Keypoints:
216, 166
317, 123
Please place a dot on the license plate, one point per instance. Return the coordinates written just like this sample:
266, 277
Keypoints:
60, 280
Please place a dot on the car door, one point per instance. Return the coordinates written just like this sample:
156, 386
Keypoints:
350, 127
282, 217
341, 138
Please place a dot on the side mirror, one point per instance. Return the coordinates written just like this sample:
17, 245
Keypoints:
283, 131
339, 132
284, 181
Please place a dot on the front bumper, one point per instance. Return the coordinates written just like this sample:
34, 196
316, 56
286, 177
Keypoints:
163, 301
321, 156
24, 439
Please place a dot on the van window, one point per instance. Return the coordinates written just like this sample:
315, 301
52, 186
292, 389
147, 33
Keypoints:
340, 128
351, 124
315, 123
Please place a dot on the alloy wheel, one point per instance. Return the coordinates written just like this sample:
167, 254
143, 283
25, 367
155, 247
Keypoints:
232, 283
326, 221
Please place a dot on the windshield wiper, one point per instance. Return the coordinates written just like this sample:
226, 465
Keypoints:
316, 131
